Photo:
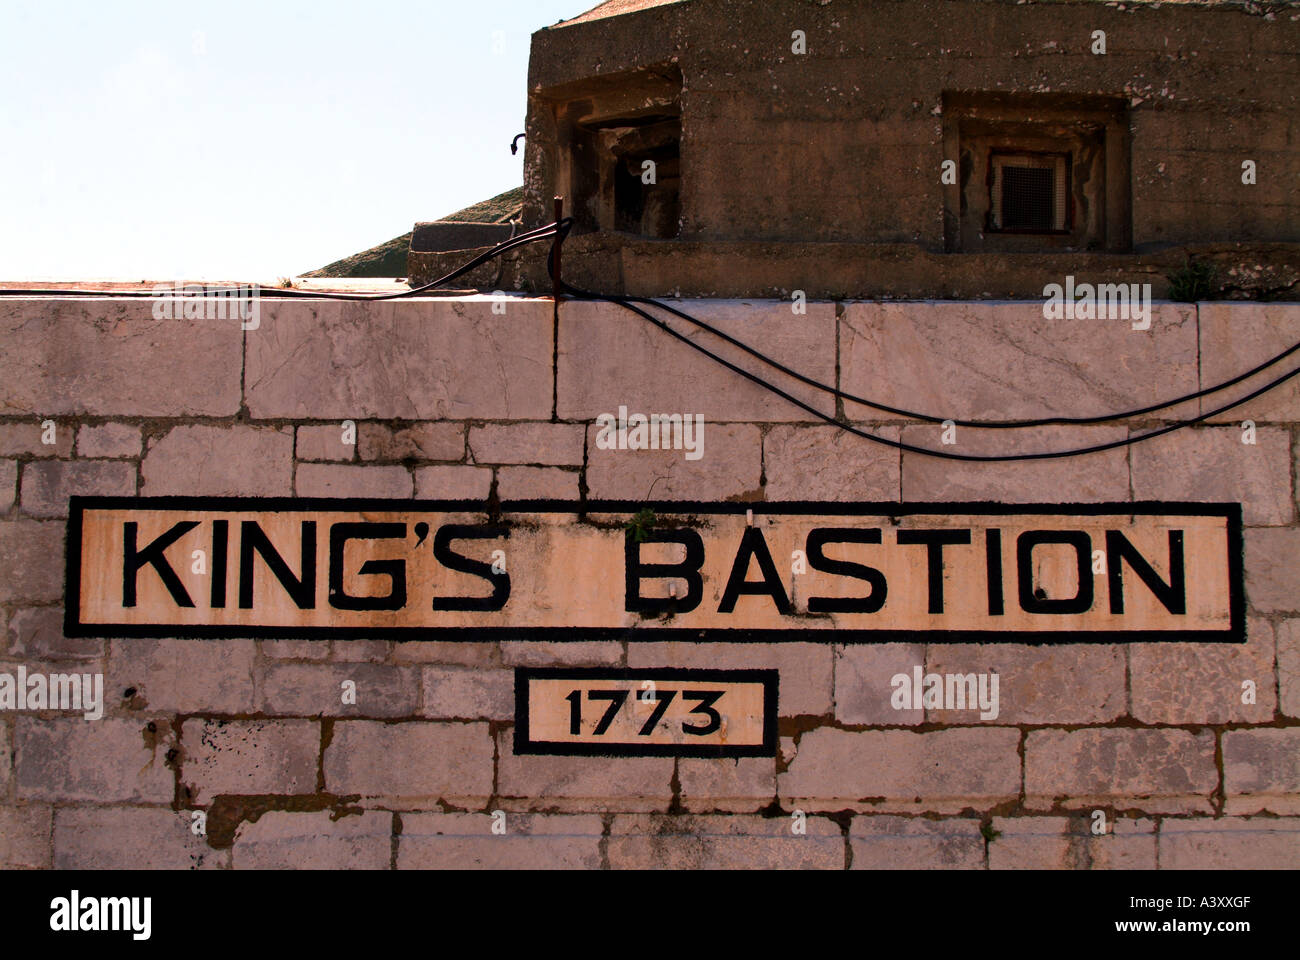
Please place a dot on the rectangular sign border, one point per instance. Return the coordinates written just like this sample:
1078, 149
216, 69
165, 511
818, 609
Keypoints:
77, 505
769, 678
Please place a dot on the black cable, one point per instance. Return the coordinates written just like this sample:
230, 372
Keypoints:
560, 229
898, 444
983, 424
541, 233
943, 454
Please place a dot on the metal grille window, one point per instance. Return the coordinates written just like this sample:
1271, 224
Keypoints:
1029, 193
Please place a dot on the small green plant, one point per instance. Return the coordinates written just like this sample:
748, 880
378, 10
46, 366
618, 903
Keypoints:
1192, 283
989, 834
641, 524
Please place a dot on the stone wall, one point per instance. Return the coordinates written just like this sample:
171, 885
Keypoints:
453, 399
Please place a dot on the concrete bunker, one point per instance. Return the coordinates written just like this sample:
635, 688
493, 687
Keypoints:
619, 150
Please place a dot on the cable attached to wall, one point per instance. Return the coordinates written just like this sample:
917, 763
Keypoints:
523, 239
912, 448
557, 231
984, 424
628, 303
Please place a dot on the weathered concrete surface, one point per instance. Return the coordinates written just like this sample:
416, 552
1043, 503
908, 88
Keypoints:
569, 783
852, 201
219, 462
1236, 337
623, 264
900, 770
177, 676
131, 838
314, 841
1048, 843
249, 757
456, 767
86, 356
1162, 770
955, 361
731, 468
913, 843
386, 360
723, 843
467, 841
1037, 684
99, 761
607, 351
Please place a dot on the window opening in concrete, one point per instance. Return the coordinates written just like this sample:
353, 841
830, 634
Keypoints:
640, 176
1029, 193
1036, 173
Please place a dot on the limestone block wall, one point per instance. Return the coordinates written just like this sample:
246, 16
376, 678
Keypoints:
452, 398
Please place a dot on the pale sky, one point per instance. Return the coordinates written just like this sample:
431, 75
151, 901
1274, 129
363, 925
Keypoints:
238, 140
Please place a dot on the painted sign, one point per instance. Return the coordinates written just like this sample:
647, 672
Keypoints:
835, 572
661, 712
